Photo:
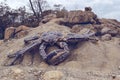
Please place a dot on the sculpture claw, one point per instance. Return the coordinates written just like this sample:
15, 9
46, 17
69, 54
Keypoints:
17, 57
57, 56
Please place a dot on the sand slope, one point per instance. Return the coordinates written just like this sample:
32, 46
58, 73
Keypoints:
88, 61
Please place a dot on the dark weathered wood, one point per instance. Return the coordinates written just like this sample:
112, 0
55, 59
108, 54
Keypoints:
27, 40
30, 47
50, 38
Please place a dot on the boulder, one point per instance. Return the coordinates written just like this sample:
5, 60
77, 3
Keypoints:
47, 12
21, 31
80, 28
105, 30
106, 37
21, 34
12, 32
88, 9
116, 77
53, 75
1, 42
17, 73
61, 14
110, 22
21, 28
109, 29
9, 32
76, 28
81, 17
49, 17
85, 30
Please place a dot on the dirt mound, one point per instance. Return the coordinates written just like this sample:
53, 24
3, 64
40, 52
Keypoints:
87, 61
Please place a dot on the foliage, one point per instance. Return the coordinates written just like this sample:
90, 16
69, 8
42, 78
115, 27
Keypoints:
15, 17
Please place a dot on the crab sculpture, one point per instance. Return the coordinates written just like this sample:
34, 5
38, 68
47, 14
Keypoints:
46, 40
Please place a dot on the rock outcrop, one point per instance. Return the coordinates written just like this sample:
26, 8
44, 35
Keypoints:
81, 17
106, 37
49, 17
53, 75
12, 32
106, 28
9, 33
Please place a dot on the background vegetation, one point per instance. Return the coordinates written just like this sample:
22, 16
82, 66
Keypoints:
16, 17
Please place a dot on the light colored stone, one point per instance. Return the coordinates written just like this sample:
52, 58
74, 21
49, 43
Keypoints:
44, 65
22, 28
79, 16
17, 70
17, 73
1, 42
119, 67
106, 37
21, 31
117, 77
21, 34
76, 28
49, 17
84, 30
18, 32
53, 75
8, 32
105, 30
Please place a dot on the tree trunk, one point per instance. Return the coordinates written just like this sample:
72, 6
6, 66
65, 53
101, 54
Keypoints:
40, 9
33, 9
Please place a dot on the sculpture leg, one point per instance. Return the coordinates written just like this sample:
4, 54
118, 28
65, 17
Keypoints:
32, 52
64, 46
18, 57
27, 40
42, 50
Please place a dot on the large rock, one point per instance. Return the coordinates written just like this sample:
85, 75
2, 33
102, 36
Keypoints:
12, 32
61, 14
109, 29
21, 34
78, 28
9, 33
88, 9
21, 31
106, 37
49, 17
1, 42
53, 75
113, 24
105, 30
21, 28
79, 16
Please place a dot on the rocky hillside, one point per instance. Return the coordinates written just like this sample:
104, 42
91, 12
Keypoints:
88, 60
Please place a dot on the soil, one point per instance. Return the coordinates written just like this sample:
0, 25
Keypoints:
88, 61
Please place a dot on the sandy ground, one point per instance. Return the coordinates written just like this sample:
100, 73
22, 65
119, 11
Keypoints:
88, 61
